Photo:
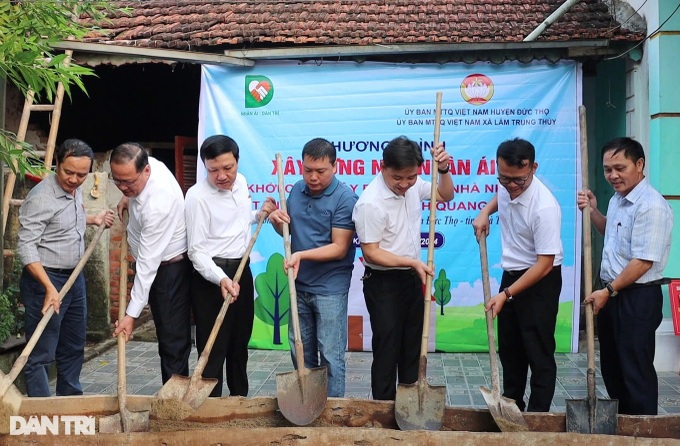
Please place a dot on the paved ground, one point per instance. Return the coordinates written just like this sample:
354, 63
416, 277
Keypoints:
461, 373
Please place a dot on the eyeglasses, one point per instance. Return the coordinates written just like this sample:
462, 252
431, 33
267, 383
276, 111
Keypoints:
126, 183
520, 181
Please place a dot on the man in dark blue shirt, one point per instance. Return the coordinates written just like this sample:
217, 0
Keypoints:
322, 233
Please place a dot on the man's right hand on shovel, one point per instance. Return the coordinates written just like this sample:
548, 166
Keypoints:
229, 287
51, 298
422, 269
125, 326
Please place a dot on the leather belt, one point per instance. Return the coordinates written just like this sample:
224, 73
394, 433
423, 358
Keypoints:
62, 271
175, 259
522, 271
633, 286
390, 271
228, 263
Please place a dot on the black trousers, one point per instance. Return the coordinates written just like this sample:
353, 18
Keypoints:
394, 300
526, 338
626, 329
231, 344
170, 302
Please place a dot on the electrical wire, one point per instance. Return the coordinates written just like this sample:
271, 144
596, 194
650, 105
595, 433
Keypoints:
652, 34
629, 17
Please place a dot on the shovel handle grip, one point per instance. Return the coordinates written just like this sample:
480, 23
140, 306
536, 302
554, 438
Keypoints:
21, 360
433, 182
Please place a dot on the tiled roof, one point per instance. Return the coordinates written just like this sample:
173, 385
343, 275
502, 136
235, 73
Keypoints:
193, 24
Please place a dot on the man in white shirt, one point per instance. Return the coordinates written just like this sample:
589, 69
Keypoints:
388, 222
219, 217
157, 237
637, 241
530, 220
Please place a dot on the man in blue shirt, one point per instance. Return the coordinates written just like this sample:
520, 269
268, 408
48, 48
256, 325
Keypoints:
637, 240
322, 233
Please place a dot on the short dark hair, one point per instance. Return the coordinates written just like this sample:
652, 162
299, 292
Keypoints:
319, 148
401, 153
516, 152
631, 149
74, 147
217, 145
130, 151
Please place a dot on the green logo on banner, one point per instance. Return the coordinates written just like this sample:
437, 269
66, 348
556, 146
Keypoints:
259, 91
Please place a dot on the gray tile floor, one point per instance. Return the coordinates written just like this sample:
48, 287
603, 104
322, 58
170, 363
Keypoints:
461, 373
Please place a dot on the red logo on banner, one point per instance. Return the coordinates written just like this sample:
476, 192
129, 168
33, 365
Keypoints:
476, 89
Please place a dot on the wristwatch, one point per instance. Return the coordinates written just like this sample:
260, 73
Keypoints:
612, 291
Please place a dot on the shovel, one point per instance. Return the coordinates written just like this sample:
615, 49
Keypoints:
592, 415
301, 394
124, 420
94, 192
420, 405
180, 396
12, 404
505, 412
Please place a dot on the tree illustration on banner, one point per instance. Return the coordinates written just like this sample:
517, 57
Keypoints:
273, 299
442, 290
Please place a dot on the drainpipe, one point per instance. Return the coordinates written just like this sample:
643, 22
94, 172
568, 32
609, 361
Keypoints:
559, 12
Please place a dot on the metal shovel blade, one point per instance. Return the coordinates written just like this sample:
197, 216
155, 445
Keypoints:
302, 396
505, 412
605, 414
420, 406
180, 397
130, 422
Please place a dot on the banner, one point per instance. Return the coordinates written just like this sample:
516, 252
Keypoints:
279, 106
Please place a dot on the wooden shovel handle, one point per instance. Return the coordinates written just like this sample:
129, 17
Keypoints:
299, 352
203, 359
422, 368
21, 360
587, 257
490, 331
122, 305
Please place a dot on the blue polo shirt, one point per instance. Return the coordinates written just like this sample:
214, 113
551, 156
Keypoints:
311, 220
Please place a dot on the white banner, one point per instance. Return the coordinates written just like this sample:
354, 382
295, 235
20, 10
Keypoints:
279, 106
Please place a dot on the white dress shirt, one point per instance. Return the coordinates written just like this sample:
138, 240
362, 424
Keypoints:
393, 221
530, 226
219, 225
156, 230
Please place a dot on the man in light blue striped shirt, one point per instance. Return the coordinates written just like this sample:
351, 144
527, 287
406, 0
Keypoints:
637, 240
51, 241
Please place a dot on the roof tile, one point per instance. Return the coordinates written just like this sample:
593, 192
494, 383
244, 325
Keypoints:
204, 23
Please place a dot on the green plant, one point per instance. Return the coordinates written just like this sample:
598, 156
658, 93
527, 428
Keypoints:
11, 309
7, 319
28, 31
16, 307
